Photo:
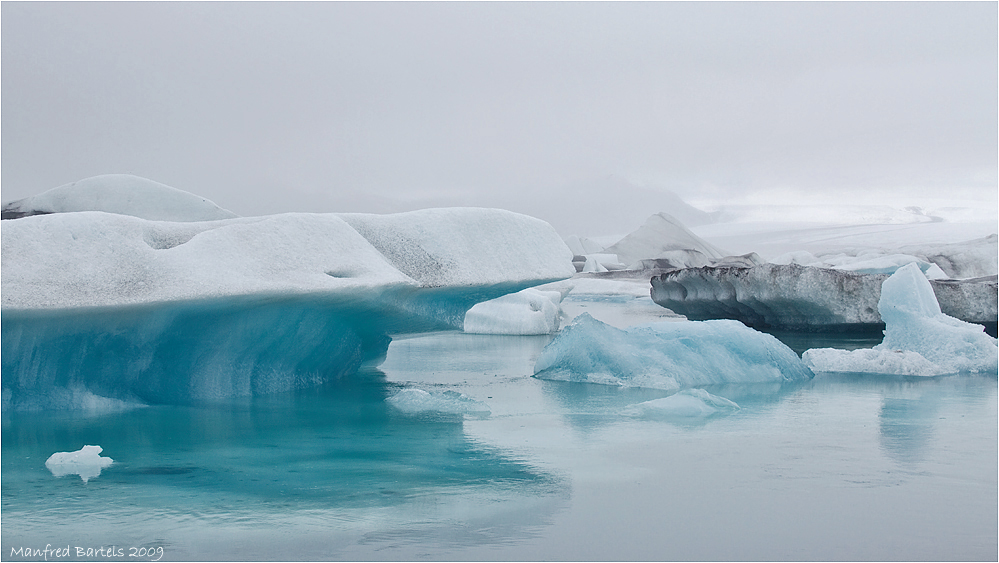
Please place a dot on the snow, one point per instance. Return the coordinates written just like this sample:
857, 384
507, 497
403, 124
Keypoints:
689, 403
667, 355
85, 462
418, 401
919, 338
121, 194
92, 259
602, 263
660, 237
529, 311
803, 298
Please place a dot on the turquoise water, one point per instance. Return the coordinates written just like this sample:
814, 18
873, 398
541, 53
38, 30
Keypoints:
840, 467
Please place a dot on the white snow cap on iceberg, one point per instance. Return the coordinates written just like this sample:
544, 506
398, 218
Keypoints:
667, 355
85, 462
101, 259
122, 194
919, 339
530, 311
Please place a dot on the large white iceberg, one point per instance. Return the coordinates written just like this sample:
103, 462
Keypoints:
85, 462
154, 311
529, 311
667, 355
919, 338
122, 194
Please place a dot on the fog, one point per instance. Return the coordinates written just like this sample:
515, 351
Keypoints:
578, 113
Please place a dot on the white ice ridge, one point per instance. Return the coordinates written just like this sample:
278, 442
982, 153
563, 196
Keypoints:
92, 259
667, 355
417, 401
529, 311
919, 339
121, 194
689, 403
85, 462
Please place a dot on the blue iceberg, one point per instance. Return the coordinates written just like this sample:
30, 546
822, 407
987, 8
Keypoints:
111, 305
667, 355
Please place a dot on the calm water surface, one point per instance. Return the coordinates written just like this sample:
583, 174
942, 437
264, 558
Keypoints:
841, 467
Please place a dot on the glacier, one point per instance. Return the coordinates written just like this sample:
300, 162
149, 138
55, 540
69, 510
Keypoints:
86, 462
126, 310
806, 298
667, 355
919, 338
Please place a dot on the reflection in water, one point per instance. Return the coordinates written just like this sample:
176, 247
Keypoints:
906, 420
338, 450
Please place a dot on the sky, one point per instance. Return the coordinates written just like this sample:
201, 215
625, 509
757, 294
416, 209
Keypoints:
582, 114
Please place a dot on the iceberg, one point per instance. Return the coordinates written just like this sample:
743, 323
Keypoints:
663, 236
121, 194
143, 311
667, 355
919, 338
689, 403
418, 401
529, 311
85, 462
805, 298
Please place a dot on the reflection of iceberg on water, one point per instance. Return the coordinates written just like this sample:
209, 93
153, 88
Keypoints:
85, 462
667, 355
919, 339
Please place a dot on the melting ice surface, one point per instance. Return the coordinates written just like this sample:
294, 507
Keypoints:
85, 462
667, 355
689, 403
919, 339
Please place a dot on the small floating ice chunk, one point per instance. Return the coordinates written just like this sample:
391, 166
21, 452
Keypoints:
667, 355
919, 339
530, 311
415, 401
85, 462
689, 403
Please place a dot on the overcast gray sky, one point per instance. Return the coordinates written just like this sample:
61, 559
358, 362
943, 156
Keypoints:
272, 107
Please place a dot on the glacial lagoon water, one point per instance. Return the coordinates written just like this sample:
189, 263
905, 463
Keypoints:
842, 467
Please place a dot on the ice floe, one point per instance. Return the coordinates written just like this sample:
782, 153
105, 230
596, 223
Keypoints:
85, 462
919, 338
529, 311
667, 355
688, 403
